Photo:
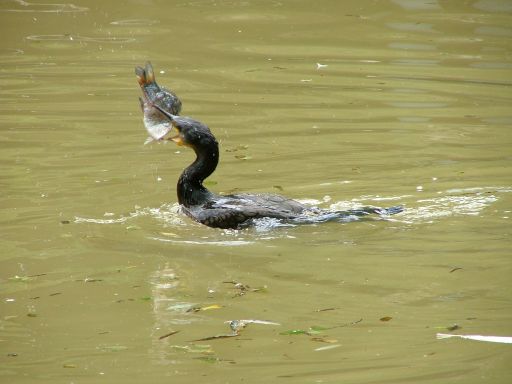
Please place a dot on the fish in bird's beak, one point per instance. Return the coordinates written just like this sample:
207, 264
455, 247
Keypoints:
157, 125
171, 119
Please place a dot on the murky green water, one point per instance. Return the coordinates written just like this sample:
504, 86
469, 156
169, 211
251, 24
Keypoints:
411, 104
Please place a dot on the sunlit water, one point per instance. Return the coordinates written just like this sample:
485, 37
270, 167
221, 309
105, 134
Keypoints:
338, 105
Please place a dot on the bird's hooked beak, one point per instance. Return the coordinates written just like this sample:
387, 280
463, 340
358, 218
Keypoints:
178, 139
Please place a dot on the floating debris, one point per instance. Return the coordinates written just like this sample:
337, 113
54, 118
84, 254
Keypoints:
243, 288
243, 157
324, 340
315, 329
327, 347
167, 335
491, 339
326, 309
22, 279
453, 327
112, 348
213, 359
89, 280
238, 325
385, 318
222, 336
237, 148
197, 308
205, 349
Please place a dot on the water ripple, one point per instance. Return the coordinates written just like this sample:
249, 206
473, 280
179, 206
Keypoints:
78, 38
135, 22
24, 6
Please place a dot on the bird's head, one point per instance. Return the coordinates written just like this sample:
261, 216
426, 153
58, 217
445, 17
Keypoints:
191, 133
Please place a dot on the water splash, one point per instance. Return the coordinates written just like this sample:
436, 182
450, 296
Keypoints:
452, 202
226, 243
168, 213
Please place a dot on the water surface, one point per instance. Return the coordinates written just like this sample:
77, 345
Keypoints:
340, 104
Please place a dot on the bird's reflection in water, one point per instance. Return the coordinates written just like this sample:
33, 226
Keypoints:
168, 312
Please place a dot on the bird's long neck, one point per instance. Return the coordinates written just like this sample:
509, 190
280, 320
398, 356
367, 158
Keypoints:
190, 184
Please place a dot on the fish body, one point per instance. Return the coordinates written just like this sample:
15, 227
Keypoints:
157, 127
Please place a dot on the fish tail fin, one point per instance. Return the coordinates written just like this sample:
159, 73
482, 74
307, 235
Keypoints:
145, 75
150, 74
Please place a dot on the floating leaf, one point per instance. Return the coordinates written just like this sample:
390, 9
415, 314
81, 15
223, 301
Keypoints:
316, 328
20, 279
195, 348
294, 332
324, 340
169, 234
197, 308
208, 359
326, 309
213, 306
243, 157
237, 148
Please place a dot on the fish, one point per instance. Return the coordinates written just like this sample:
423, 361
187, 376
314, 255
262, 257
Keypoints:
155, 121
156, 126
491, 339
